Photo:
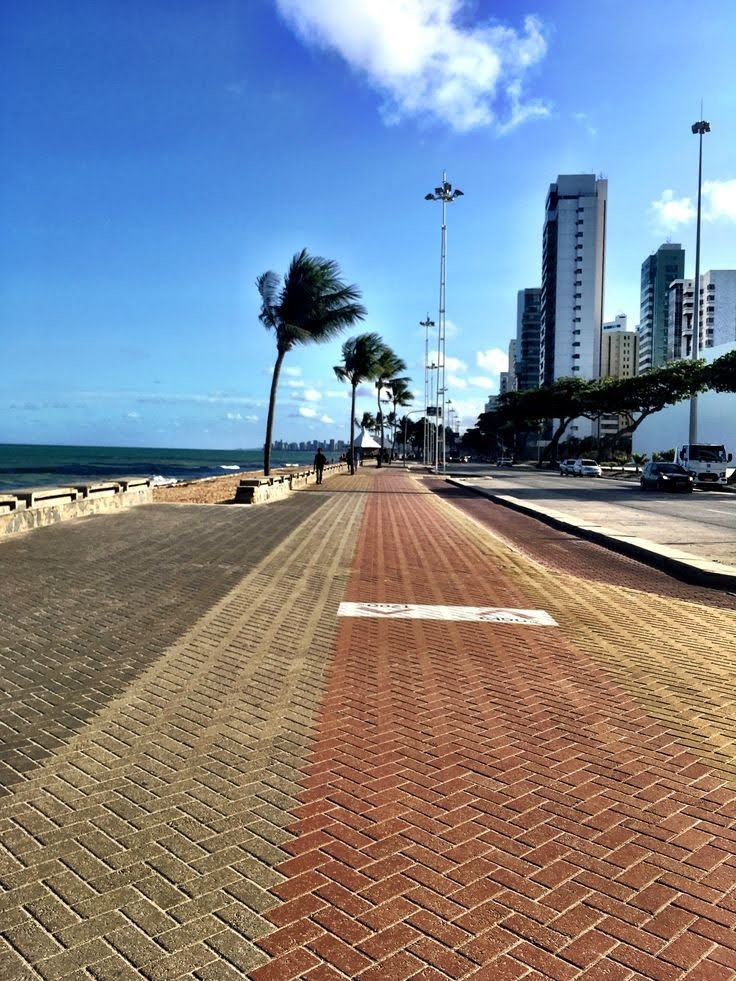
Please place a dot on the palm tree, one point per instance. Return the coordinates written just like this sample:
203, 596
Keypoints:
312, 305
360, 358
389, 367
400, 398
367, 422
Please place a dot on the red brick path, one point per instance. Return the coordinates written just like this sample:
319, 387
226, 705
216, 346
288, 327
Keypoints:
485, 800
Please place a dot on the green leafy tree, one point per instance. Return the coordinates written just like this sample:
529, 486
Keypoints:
720, 375
642, 395
360, 362
311, 305
390, 368
562, 402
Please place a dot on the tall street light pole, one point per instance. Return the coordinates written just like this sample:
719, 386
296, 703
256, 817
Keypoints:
426, 324
444, 193
700, 127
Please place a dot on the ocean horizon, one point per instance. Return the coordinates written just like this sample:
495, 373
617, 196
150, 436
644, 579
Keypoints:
36, 465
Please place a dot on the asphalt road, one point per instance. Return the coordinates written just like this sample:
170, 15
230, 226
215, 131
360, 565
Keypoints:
703, 523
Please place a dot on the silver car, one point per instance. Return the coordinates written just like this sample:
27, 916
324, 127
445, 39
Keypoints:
586, 468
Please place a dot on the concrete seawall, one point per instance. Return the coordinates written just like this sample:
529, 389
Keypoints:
38, 507
260, 490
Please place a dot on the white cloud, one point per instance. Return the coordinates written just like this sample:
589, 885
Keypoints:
363, 391
718, 204
480, 381
326, 419
669, 211
312, 395
341, 393
455, 381
251, 418
307, 412
294, 383
233, 416
493, 359
451, 364
427, 59
292, 370
721, 200
158, 398
134, 415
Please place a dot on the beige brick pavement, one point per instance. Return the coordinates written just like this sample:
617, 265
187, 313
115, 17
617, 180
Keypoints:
145, 845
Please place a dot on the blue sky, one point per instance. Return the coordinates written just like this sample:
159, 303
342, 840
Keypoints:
156, 158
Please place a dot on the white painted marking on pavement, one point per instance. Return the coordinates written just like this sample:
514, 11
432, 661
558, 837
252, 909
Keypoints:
418, 611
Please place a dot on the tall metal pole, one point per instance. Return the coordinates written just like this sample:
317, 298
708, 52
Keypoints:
445, 194
441, 338
426, 324
700, 127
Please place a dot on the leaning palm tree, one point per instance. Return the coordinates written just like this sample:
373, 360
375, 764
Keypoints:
390, 367
360, 359
312, 304
400, 398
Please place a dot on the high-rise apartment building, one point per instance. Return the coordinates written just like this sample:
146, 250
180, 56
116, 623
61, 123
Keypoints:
620, 350
528, 324
716, 313
658, 271
573, 259
511, 380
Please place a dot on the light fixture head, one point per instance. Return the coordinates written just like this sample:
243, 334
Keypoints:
457, 193
429, 197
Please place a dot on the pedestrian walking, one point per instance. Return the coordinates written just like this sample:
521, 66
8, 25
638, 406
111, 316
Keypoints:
319, 464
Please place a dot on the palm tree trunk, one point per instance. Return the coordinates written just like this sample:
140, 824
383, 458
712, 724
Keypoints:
380, 416
352, 428
271, 414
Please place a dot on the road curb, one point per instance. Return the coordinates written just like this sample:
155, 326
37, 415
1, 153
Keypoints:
682, 565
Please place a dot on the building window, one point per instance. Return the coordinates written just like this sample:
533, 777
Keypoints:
576, 343
576, 332
576, 357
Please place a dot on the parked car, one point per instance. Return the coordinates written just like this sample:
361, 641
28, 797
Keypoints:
504, 461
586, 468
666, 476
566, 467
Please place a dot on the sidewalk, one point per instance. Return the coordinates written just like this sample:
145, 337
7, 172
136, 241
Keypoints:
271, 786
640, 535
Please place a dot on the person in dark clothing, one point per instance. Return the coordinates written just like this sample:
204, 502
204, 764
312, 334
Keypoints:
319, 464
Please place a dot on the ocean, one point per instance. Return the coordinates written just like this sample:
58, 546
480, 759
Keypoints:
48, 466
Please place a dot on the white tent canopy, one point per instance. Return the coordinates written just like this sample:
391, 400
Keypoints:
366, 442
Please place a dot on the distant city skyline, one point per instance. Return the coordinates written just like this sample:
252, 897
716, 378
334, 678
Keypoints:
153, 166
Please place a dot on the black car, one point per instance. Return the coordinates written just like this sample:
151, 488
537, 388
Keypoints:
666, 476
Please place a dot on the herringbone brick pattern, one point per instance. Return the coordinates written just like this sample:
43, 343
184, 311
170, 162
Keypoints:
472, 799
496, 801
85, 608
145, 845
563, 551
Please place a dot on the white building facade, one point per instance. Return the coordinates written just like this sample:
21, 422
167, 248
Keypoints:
716, 313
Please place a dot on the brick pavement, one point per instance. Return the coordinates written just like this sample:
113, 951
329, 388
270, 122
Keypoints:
472, 799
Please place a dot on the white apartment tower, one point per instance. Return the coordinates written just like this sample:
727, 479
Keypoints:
573, 263
716, 317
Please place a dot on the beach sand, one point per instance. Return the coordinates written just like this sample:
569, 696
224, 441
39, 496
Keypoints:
211, 490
